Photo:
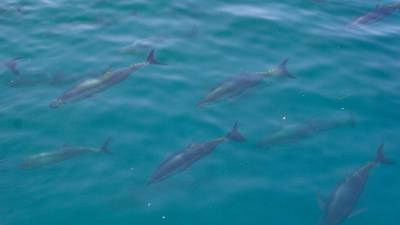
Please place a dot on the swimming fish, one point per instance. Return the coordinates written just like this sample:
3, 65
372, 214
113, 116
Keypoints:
65, 153
89, 87
182, 160
380, 12
297, 132
237, 85
340, 205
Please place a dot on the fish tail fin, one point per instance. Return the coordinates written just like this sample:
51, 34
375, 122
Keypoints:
152, 60
380, 157
283, 71
104, 148
235, 135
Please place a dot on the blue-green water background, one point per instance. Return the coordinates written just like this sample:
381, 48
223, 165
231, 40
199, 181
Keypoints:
153, 113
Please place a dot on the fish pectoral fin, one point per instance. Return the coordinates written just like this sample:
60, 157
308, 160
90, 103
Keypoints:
108, 71
321, 202
357, 212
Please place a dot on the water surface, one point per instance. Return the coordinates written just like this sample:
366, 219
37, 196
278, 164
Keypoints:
153, 114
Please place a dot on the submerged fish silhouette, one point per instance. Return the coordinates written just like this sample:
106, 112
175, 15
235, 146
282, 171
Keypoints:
296, 132
182, 160
47, 158
89, 87
379, 13
237, 85
340, 205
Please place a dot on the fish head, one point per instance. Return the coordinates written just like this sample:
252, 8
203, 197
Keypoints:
56, 103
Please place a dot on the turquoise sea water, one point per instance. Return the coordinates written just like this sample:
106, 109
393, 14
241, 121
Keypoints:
152, 114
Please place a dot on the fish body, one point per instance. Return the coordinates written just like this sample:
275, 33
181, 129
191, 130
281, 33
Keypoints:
340, 204
91, 86
182, 160
379, 13
296, 132
238, 85
52, 157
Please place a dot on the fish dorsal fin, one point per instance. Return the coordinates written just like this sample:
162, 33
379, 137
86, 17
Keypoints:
107, 72
322, 203
108, 69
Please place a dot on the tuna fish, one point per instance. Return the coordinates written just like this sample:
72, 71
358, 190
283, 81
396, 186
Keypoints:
89, 87
340, 204
65, 153
182, 160
380, 12
297, 132
238, 85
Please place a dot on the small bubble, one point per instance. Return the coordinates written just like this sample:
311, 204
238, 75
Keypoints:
284, 118
131, 169
149, 204
163, 217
